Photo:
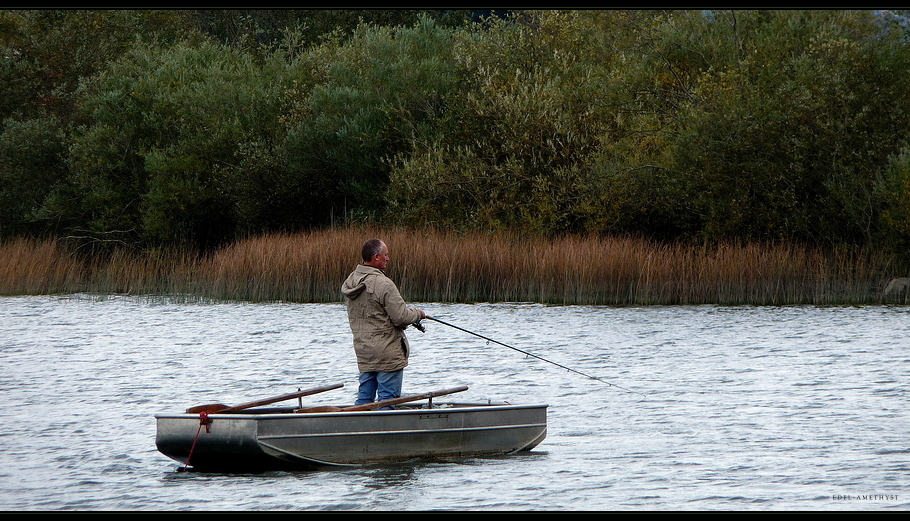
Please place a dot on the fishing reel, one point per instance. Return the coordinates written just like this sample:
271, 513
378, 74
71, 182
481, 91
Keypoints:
419, 327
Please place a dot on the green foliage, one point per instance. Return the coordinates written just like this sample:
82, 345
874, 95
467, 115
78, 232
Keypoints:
894, 191
781, 121
374, 93
255, 29
161, 124
32, 155
47, 52
201, 126
522, 122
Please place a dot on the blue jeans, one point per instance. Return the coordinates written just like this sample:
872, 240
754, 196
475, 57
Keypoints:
386, 385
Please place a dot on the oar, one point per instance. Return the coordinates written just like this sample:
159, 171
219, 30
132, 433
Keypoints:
218, 407
384, 403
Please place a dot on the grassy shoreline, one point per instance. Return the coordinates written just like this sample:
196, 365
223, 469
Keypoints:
436, 266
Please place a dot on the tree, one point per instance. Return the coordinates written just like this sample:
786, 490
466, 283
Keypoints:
374, 93
32, 162
48, 51
159, 124
766, 125
518, 130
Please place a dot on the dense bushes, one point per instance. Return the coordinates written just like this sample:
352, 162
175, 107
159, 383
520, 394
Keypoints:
175, 127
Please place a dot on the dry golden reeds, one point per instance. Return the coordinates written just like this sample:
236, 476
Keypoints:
29, 266
437, 266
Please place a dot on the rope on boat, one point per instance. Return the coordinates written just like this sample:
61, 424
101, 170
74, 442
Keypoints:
204, 420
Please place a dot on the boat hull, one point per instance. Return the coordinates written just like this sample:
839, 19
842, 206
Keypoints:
267, 440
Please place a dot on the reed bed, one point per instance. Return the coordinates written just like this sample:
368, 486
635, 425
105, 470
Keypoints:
439, 266
29, 266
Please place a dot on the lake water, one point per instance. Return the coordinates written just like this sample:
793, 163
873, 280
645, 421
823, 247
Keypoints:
741, 408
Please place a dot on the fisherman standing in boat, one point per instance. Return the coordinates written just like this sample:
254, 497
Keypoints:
378, 317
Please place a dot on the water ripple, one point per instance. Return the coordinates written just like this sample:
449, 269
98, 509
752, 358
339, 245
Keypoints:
740, 408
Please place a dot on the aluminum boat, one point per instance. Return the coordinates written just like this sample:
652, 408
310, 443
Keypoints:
243, 439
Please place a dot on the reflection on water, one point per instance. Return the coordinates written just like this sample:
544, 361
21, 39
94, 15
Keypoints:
388, 476
742, 408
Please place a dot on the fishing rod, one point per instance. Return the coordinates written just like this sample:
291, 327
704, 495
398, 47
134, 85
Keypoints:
532, 355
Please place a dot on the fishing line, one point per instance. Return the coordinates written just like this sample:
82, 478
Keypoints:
533, 355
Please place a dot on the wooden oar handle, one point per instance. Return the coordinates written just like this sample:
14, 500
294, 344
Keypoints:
211, 407
403, 399
217, 407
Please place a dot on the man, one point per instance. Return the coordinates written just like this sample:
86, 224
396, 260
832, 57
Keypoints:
378, 317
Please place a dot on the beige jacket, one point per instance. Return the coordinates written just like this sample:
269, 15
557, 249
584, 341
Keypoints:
378, 316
